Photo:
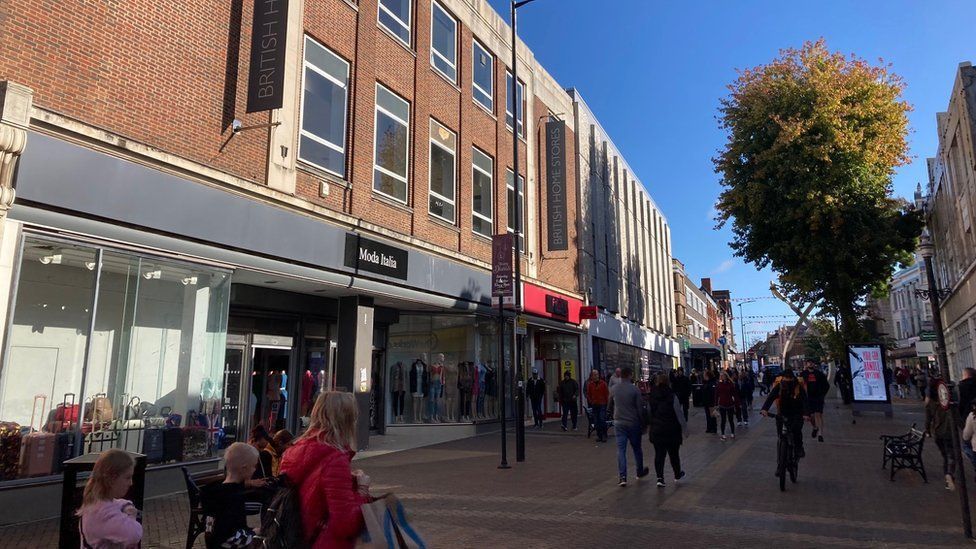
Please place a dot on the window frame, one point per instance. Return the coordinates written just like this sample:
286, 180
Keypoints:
376, 113
521, 104
525, 210
491, 192
474, 82
433, 51
345, 110
430, 172
405, 24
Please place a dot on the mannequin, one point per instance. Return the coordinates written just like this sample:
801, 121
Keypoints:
436, 384
479, 387
397, 392
419, 381
465, 385
451, 392
491, 391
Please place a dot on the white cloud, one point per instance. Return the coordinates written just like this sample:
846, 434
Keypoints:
725, 266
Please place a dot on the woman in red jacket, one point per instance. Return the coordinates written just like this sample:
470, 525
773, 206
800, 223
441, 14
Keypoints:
319, 463
726, 398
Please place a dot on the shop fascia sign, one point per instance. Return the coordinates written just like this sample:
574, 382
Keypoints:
365, 254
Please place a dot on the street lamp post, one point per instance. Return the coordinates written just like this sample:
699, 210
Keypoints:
934, 295
517, 382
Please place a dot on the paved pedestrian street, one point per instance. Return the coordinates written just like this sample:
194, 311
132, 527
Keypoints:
565, 494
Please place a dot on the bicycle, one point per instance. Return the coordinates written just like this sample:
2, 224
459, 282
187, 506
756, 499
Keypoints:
787, 460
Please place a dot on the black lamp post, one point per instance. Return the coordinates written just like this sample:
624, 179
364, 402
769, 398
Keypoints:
935, 295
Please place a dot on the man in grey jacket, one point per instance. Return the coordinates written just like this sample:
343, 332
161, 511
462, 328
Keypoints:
628, 424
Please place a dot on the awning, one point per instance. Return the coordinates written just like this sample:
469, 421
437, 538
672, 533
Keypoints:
707, 347
903, 352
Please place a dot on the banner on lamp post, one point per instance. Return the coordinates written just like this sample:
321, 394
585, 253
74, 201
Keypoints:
502, 265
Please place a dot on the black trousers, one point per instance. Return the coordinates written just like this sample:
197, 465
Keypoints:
570, 408
398, 402
684, 407
669, 449
727, 414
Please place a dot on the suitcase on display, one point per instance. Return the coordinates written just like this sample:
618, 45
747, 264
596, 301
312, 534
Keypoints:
10, 443
37, 458
65, 437
172, 444
152, 445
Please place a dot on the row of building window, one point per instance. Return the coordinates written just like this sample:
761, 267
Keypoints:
323, 123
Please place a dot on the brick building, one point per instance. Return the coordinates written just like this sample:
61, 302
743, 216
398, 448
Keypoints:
170, 254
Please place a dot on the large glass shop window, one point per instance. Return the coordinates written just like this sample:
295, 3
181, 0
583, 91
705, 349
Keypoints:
441, 369
111, 350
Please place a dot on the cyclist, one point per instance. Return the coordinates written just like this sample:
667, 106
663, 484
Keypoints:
790, 397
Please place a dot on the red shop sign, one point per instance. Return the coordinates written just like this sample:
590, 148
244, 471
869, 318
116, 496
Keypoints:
588, 312
544, 303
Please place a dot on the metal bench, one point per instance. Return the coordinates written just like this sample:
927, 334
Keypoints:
904, 452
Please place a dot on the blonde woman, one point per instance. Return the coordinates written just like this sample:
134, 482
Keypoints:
105, 520
319, 464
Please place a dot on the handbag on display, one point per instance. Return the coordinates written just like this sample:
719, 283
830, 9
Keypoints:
99, 411
37, 458
172, 420
387, 526
10, 443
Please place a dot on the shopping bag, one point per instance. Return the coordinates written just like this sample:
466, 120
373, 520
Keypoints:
387, 526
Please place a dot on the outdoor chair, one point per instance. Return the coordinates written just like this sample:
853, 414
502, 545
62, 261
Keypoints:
591, 422
198, 514
904, 452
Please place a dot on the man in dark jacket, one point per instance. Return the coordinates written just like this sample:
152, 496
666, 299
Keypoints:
817, 389
536, 391
682, 389
967, 392
568, 391
790, 398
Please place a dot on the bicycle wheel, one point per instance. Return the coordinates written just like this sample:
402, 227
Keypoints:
794, 470
781, 460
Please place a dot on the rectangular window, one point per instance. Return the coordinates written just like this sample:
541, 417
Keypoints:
483, 76
521, 103
443, 42
482, 168
443, 149
390, 154
394, 15
510, 186
322, 138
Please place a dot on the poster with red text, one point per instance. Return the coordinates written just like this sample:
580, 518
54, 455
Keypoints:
867, 373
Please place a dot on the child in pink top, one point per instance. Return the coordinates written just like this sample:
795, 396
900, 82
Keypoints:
106, 520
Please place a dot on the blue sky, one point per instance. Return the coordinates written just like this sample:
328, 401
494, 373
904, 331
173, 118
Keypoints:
653, 73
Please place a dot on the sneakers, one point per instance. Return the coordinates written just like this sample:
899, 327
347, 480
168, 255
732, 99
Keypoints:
575, 428
738, 424
564, 428
660, 483
813, 434
723, 438
733, 436
820, 438
678, 477
622, 482
746, 423
800, 453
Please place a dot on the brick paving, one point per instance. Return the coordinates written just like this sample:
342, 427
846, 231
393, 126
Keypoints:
565, 494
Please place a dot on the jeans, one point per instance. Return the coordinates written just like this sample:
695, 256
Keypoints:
967, 450
745, 411
948, 461
631, 434
663, 450
536, 411
569, 408
727, 413
600, 419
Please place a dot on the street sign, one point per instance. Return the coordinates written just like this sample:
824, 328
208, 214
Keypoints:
927, 335
501, 265
925, 348
722, 340
944, 398
521, 325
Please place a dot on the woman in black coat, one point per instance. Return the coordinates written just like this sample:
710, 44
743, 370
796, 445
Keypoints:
666, 427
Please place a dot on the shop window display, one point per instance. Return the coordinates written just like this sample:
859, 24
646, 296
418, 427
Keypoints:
122, 351
441, 369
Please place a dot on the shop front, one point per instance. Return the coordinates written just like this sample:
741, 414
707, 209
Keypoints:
554, 337
616, 342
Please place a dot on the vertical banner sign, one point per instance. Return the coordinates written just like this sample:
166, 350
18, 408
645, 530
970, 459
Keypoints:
266, 76
501, 265
556, 185
867, 373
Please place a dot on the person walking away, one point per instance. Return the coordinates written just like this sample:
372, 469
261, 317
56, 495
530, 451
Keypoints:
727, 400
105, 520
614, 380
921, 382
681, 386
597, 395
224, 501
708, 400
937, 427
537, 391
969, 435
790, 397
889, 377
667, 428
967, 390
734, 377
568, 391
817, 388
746, 389
628, 425
319, 464
901, 380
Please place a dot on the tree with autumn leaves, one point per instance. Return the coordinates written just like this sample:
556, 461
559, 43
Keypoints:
814, 138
